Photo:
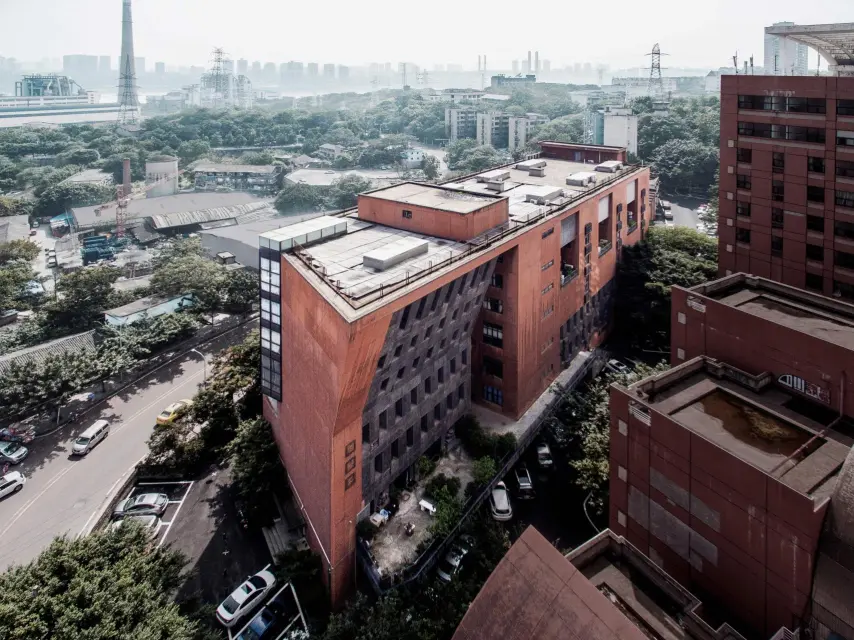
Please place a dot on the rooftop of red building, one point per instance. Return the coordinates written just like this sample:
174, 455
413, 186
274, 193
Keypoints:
753, 418
826, 318
338, 268
604, 589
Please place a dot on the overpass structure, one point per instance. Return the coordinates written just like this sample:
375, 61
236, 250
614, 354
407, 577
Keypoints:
834, 42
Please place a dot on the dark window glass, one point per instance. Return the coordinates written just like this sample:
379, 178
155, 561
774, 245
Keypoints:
744, 155
398, 408
843, 229
777, 190
413, 395
815, 165
383, 420
776, 246
778, 160
777, 218
844, 259
493, 367
845, 168
845, 199
493, 334
845, 107
378, 463
742, 235
815, 223
742, 209
742, 181
814, 281
815, 194
815, 252
366, 433
493, 304
493, 395
497, 280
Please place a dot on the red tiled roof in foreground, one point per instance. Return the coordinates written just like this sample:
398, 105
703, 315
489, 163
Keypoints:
536, 593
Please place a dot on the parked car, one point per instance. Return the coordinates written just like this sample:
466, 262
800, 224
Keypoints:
11, 483
525, 484
615, 366
144, 504
499, 502
33, 232
274, 617
168, 414
149, 523
89, 438
245, 598
544, 456
666, 205
12, 452
450, 564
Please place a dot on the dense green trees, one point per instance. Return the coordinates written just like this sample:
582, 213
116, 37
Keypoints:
18, 250
668, 256
61, 197
467, 156
580, 427
256, 467
681, 144
103, 586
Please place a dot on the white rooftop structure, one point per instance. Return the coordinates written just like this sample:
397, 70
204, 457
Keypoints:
303, 233
835, 42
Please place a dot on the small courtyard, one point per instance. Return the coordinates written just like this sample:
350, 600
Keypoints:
391, 547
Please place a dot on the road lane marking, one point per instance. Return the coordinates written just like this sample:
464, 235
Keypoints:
26, 507
165, 482
125, 421
86, 527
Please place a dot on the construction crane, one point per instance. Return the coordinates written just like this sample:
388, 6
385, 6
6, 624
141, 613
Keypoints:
122, 200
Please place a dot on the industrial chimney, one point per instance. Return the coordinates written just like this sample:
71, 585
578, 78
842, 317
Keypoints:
536, 62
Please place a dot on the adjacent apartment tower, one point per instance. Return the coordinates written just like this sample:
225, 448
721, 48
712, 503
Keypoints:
787, 180
381, 326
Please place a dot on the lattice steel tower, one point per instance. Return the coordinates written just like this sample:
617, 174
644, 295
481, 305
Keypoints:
656, 86
128, 93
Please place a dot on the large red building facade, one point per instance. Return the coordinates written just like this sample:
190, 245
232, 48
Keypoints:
380, 326
787, 180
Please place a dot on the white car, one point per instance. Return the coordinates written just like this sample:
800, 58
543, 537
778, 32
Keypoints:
499, 503
12, 452
450, 564
615, 366
525, 484
544, 456
11, 483
245, 598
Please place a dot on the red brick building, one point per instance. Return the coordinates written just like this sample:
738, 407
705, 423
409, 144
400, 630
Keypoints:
380, 326
723, 481
787, 180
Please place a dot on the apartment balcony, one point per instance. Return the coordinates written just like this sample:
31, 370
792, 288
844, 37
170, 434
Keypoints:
568, 273
604, 247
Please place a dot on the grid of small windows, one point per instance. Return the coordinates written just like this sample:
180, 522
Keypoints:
271, 323
493, 334
493, 395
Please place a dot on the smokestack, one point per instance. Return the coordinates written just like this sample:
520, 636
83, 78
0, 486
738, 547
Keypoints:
126, 177
478, 63
536, 62
484, 62
529, 62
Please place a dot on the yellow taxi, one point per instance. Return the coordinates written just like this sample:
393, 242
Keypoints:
168, 414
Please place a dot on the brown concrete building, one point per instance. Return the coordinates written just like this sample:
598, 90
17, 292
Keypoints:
605, 589
723, 479
787, 180
381, 325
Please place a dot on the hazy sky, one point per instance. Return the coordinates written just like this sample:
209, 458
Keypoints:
615, 32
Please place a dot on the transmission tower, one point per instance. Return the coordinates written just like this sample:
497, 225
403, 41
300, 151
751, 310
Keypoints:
656, 86
128, 93
218, 78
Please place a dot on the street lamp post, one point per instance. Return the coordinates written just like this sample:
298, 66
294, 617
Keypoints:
204, 364
589, 495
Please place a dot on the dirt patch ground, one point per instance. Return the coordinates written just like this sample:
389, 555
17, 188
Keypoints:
392, 549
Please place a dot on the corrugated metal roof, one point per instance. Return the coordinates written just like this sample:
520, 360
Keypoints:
39, 353
185, 218
235, 168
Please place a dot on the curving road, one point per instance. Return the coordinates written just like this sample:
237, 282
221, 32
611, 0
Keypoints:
64, 494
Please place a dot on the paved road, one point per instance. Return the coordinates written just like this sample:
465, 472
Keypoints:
63, 494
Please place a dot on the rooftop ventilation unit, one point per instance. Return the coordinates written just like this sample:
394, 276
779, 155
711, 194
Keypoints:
303, 233
610, 166
537, 172
542, 194
498, 185
496, 175
394, 253
581, 179
533, 163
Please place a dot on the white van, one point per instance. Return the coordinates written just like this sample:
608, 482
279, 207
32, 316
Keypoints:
89, 438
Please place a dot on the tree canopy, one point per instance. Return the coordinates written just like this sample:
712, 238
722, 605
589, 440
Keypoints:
103, 586
668, 256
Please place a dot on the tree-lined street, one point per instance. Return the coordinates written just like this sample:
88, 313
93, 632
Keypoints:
63, 494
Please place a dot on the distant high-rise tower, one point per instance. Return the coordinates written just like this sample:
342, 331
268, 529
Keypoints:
536, 62
128, 95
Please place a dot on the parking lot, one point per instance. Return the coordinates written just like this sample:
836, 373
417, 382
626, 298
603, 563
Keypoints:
177, 493
276, 618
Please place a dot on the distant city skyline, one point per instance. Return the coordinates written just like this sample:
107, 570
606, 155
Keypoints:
183, 34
